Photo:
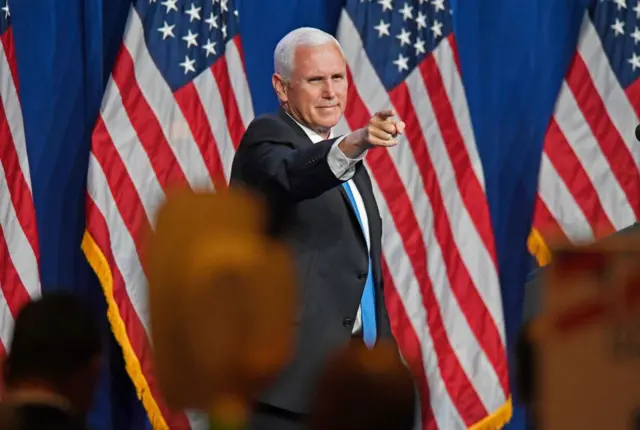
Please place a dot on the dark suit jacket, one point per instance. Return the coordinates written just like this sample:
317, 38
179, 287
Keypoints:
278, 160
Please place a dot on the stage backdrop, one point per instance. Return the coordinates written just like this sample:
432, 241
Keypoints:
513, 56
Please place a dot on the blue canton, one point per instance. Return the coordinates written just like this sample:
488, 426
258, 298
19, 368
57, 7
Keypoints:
5, 16
398, 35
185, 37
616, 22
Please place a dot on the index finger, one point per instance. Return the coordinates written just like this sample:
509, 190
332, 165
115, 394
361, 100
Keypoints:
384, 114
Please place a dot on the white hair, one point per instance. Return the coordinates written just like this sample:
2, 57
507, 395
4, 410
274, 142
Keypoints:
283, 56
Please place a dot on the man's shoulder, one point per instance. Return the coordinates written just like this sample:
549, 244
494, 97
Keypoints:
276, 128
267, 118
268, 125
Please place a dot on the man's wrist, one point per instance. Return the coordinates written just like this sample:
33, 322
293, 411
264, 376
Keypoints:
354, 145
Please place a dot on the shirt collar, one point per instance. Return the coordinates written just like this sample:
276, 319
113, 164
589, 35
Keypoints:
313, 136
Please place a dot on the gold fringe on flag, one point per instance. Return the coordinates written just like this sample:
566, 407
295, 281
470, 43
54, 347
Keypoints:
98, 262
538, 248
497, 420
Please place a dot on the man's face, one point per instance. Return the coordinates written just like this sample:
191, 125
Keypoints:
316, 94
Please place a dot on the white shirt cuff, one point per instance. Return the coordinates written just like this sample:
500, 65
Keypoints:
342, 166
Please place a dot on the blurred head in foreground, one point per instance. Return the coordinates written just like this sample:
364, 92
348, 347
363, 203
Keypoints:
211, 270
55, 350
8, 419
364, 389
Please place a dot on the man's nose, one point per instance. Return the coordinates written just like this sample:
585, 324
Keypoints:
328, 90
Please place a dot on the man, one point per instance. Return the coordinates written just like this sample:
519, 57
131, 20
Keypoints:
320, 195
53, 364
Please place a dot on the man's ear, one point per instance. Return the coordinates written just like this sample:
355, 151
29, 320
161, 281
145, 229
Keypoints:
280, 87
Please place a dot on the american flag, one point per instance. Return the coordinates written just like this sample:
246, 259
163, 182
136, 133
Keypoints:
589, 182
19, 276
439, 256
173, 113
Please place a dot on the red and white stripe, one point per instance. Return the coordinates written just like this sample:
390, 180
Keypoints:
439, 255
146, 139
589, 182
19, 253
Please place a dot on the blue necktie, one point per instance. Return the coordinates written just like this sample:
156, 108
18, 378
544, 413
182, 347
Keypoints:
368, 301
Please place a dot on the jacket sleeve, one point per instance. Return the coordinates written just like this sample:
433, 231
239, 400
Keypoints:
280, 171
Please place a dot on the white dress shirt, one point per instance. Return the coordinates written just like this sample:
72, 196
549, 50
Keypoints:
344, 168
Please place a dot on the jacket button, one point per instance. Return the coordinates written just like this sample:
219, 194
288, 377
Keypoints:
361, 275
347, 322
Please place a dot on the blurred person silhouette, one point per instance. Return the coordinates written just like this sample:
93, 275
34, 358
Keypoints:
525, 356
7, 418
221, 296
53, 364
362, 389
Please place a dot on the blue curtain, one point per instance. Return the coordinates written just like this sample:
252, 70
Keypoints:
65, 50
513, 56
